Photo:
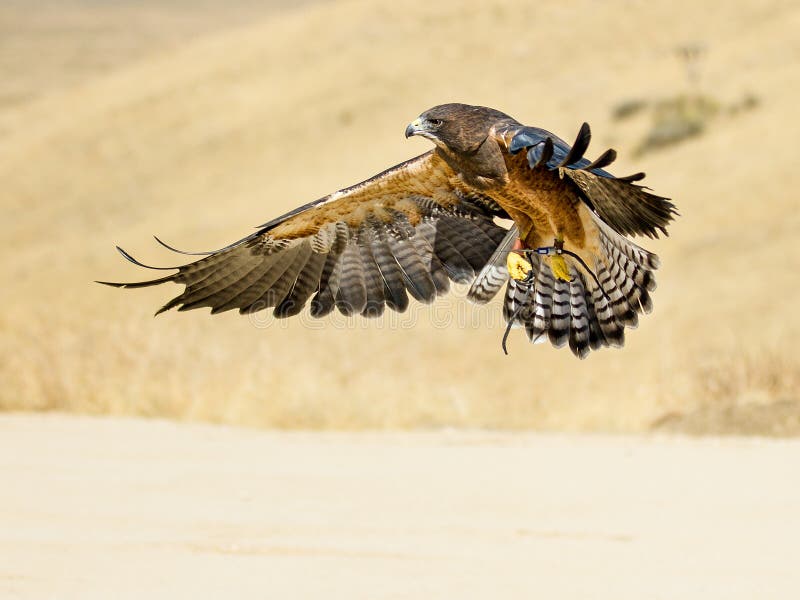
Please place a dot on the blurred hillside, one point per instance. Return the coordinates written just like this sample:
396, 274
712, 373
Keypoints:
53, 45
202, 135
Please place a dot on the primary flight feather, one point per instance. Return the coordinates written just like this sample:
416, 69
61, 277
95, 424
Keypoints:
574, 276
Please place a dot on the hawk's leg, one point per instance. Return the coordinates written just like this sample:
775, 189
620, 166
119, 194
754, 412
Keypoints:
558, 265
519, 267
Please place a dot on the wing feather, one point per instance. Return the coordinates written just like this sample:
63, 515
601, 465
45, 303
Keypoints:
248, 289
394, 286
281, 288
424, 242
456, 265
222, 296
418, 280
373, 284
351, 296
304, 286
324, 301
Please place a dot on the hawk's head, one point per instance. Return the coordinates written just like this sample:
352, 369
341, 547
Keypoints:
456, 127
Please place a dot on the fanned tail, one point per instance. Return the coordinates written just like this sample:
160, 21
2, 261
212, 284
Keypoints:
591, 310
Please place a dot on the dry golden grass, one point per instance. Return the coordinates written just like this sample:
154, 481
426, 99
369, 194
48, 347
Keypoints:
206, 140
741, 393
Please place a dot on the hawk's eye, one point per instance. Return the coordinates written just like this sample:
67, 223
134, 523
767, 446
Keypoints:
435, 122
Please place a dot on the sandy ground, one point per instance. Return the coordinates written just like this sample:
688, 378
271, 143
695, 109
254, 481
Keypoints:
102, 508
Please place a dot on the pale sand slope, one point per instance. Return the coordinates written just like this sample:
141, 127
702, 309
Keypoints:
135, 509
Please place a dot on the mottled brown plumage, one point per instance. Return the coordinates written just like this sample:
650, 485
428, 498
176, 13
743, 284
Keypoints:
430, 220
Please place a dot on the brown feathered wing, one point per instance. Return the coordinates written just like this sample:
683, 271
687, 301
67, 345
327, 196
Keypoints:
406, 231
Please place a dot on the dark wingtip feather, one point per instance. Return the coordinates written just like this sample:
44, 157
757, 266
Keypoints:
605, 159
580, 146
137, 284
171, 304
173, 249
631, 178
130, 258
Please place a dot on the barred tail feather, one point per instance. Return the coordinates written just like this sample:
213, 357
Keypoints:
558, 333
517, 302
542, 304
579, 316
593, 309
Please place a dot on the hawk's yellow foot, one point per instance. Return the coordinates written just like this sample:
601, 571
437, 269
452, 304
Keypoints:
559, 267
518, 266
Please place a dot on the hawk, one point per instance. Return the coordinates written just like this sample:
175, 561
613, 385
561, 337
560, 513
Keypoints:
572, 275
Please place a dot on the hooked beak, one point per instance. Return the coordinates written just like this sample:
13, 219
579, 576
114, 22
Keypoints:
414, 128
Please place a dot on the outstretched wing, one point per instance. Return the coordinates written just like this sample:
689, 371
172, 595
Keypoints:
627, 207
405, 231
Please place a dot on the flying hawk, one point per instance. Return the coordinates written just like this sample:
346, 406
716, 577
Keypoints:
571, 274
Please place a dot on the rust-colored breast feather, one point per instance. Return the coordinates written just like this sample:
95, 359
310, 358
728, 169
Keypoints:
545, 205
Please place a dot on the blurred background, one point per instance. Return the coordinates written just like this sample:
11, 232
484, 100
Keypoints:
196, 121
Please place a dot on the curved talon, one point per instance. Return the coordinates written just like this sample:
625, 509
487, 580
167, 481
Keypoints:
560, 267
519, 268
